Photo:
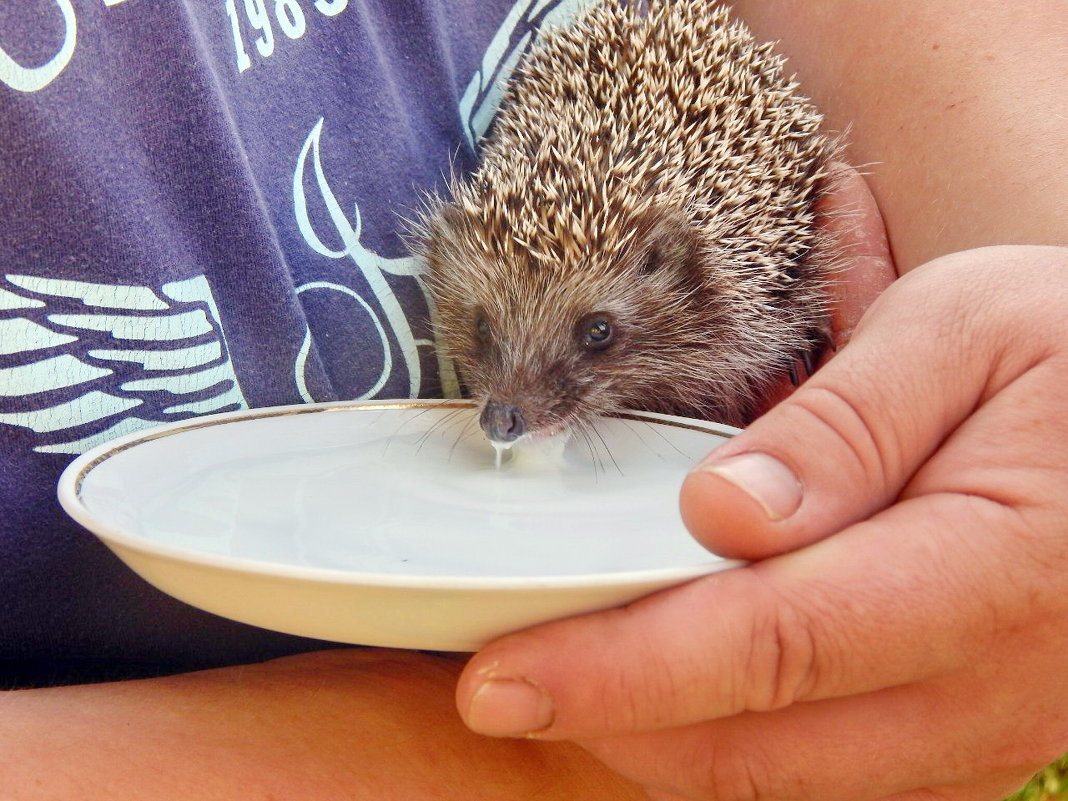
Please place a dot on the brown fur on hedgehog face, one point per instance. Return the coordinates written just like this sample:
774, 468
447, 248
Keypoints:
642, 328
654, 172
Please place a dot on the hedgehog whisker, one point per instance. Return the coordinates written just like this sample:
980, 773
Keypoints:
595, 459
593, 427
405, 420
465, 433
656, 430
443, 423
634, 430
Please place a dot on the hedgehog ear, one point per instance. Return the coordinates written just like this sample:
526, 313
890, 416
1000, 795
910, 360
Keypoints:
666, 242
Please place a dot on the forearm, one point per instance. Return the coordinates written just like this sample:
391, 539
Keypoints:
955, 109
348, 724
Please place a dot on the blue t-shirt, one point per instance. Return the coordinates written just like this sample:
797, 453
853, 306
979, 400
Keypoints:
200, 207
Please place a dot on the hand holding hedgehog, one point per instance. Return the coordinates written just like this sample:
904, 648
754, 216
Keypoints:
904, 639
896, 655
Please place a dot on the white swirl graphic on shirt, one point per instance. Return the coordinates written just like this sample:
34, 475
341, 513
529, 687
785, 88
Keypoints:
383, 340
477, 108
33, 79
77, 358
373, 268
480, 100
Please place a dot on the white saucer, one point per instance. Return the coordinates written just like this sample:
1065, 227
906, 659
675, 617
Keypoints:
387, 523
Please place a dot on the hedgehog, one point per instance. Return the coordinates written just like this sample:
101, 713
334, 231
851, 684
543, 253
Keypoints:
641, 231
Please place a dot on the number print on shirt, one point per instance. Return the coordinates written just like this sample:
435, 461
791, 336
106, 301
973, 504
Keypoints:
261, 16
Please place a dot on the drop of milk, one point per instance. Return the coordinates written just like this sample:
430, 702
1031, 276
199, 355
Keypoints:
500, 448
538, 453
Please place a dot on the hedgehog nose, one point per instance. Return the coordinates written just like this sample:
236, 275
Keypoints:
502, 422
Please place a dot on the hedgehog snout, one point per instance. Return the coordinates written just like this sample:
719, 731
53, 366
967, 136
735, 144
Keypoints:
502, 422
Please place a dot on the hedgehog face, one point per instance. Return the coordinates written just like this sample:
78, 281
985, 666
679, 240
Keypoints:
546, 346
544, 379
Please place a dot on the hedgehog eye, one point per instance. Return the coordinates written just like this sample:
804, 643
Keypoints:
482, 327
596, 331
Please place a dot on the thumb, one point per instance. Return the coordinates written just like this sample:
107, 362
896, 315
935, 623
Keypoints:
847, 441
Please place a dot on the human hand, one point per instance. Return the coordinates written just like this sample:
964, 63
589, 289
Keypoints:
853, 225
908, 640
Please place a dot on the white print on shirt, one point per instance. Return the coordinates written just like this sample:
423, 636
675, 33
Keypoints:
476, 108
373, 268
33, 79
159, 352
288, 15
480, 100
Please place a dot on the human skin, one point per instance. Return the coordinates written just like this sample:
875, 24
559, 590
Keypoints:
347, 724
954, 109
357, 724
904, 636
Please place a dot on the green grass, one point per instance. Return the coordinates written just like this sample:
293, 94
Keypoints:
1049, 785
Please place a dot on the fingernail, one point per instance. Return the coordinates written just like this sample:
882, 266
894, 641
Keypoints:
509, 707
763, 478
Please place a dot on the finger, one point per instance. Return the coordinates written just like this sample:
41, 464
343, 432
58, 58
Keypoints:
893, 743
862, 266
1001, 784
659, 795
849, 439
835, 619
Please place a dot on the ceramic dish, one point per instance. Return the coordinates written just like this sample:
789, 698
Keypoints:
389, 523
